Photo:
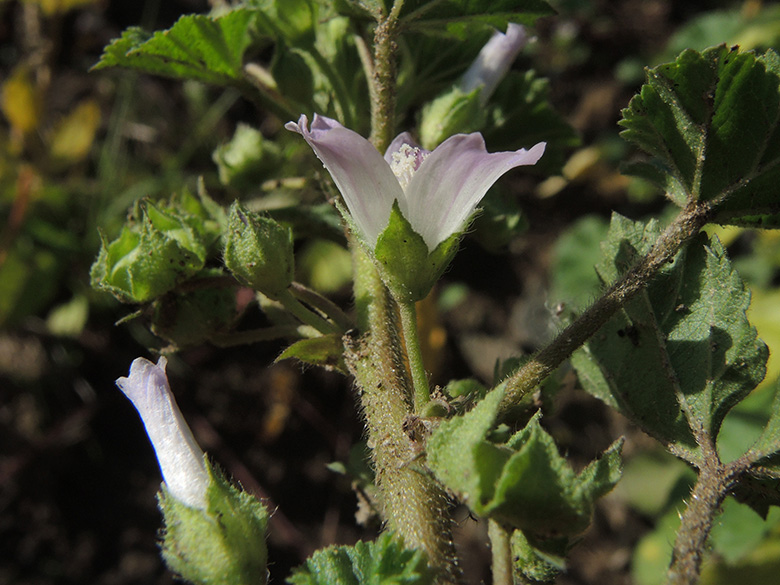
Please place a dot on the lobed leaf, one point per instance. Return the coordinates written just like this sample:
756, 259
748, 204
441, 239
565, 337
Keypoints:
523, 483
710, 120
381, 562
205, 48
681, 354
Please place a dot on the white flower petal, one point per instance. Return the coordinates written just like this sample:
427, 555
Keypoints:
180, 457
453, 179
361, 174
494, 61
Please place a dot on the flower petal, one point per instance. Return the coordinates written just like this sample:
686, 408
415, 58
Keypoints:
180, 457
453, 179
494, 60
361, 174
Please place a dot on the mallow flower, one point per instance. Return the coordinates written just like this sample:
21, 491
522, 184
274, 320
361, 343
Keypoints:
435, 192
493, 61
181, 459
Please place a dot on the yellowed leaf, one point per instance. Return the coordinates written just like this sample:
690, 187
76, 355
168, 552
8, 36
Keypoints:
21, 101
73, 136
51, 7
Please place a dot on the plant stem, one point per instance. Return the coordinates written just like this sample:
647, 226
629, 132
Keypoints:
265, 334
412, 504
306, 315
501, 553
690, 221
712, 485
382, 83
323, 304
422, 394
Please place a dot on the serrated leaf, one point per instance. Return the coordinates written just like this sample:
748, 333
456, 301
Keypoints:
681, 354
711, 121
768, 443
458, 18
523, 483
381, 562
205, 48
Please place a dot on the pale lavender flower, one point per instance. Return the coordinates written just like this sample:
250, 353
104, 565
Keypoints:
493, 61
180, 458
437, 192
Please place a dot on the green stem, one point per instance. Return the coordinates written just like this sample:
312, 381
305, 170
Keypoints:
322, 304
257, 335
411, 334
306, 315
501, 553
686, 226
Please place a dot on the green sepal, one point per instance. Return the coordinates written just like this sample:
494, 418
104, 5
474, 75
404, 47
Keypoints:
221, 545
384, 561
406, 265
326, 351
711, 121
150, 257
453, 112
259, 251
523, 483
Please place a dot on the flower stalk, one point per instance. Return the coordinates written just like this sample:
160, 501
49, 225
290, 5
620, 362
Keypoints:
421, 389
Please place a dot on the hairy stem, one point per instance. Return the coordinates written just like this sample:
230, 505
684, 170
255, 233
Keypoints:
712, 485
382, 83
422, 393
501, 553
412, 504
306, 315
690, 221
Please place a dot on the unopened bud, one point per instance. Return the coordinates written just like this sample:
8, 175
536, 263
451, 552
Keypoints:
259, 251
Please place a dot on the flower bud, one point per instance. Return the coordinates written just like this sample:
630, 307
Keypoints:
214, 533
259, 251
221, 545
181, 459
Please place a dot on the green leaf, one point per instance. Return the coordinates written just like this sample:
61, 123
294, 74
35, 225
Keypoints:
382, 562
193, 317
768, 444
680, 354
326, 350
711, 121
574, 280
459, 18
523, 483
205, 48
